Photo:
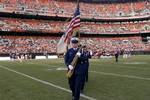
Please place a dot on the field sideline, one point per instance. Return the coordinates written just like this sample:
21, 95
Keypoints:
129, 79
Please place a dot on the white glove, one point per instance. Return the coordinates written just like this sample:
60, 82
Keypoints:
91, 53
78, 54
70, 67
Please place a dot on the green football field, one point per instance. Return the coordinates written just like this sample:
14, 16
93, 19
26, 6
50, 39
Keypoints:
129, 79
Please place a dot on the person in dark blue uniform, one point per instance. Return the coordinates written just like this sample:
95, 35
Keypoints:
76, 80
87, 55
116, 55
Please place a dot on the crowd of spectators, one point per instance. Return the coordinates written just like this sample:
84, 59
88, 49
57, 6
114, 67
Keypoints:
26, 44
115, 28
110, 45
35, 44
66, 9
21, 25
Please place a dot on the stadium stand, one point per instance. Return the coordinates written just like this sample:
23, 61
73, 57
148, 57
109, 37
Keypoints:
66, 9
34, 44
21, 25
27, 44
101, 36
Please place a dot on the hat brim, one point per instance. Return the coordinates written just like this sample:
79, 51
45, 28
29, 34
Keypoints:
74, 41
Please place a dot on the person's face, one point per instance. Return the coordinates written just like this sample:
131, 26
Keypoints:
74, 45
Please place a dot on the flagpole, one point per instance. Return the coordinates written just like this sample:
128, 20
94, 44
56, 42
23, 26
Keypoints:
78, 1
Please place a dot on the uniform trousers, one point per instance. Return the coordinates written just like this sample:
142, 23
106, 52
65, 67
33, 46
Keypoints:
75, 83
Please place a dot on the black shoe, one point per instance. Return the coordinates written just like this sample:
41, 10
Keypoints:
72, 97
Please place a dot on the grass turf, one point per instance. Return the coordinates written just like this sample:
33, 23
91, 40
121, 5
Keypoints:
129, 79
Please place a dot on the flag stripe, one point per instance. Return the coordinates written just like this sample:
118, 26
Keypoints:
75, 23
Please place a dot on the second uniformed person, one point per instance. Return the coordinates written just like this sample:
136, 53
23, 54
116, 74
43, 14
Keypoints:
87, 55
116, 55
76, 80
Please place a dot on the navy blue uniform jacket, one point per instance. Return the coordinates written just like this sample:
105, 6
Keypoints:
80, 67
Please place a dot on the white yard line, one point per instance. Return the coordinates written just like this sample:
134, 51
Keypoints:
132, 67
44, 82
126, 67
119, 75
46, 65
113, 74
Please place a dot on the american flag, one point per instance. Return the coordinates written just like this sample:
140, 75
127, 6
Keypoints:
73, 25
